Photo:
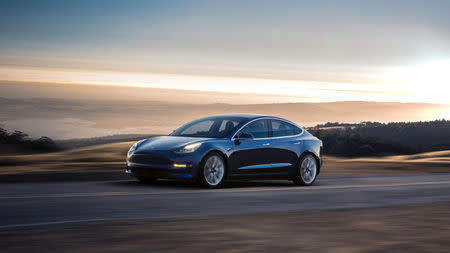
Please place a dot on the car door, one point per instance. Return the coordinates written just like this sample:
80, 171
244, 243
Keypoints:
285, 144
251, 154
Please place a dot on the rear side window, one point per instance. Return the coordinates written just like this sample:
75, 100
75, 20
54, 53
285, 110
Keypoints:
257, 129
227, 126
282, 128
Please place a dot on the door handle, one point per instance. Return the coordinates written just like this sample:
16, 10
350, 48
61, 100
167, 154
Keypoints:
297, 142
266, 144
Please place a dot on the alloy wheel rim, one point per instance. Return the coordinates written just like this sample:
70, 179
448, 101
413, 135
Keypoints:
214, 170
308, 169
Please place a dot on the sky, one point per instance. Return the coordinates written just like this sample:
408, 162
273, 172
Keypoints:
312, 51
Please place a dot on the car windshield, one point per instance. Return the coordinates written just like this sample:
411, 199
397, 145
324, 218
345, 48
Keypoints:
210, 127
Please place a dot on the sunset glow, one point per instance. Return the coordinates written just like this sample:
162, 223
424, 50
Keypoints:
430, 81
410, 87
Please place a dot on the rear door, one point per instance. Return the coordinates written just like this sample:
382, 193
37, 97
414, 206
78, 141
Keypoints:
285, 143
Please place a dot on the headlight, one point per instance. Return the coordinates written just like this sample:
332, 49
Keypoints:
189, 148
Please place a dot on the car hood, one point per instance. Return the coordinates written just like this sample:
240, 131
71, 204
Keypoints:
161, 143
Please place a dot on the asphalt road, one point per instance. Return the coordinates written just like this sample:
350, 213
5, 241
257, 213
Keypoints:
38, 204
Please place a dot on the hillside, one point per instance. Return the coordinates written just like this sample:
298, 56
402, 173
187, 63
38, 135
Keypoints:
85, 142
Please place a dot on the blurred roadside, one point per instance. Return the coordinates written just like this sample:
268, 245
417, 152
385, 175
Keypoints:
107, 161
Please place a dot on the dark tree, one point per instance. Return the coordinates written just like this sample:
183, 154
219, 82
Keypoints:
20, 142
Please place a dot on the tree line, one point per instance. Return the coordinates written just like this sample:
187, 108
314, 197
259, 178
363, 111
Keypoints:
374, 138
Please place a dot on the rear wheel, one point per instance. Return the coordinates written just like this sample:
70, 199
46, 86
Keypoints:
307, 170
147, 179
212, 171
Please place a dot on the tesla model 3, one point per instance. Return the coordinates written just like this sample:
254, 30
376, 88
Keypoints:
217, 148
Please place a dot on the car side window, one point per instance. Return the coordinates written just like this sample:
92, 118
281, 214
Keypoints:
200, 128
282, 128
256, 129
227, 126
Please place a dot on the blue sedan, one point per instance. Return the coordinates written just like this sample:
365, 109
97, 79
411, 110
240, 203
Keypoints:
213, 149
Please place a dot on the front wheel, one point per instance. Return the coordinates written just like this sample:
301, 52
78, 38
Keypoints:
212, 171
307, 171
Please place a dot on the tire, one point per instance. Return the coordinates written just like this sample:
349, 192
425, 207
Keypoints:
212, 171
306, 171
147, 179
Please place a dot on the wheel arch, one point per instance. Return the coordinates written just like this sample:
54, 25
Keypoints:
222, 154
308, 152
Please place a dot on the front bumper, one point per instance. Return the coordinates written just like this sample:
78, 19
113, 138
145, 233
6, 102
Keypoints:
161, 165
157, 171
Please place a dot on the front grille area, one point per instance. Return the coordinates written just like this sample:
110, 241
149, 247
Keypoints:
149, 159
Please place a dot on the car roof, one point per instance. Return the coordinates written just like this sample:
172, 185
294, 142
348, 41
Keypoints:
248, 117
241, 115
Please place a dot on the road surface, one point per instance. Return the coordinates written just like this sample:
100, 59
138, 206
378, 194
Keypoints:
38, 204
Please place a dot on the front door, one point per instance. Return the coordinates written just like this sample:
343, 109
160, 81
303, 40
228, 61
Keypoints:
252, 154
